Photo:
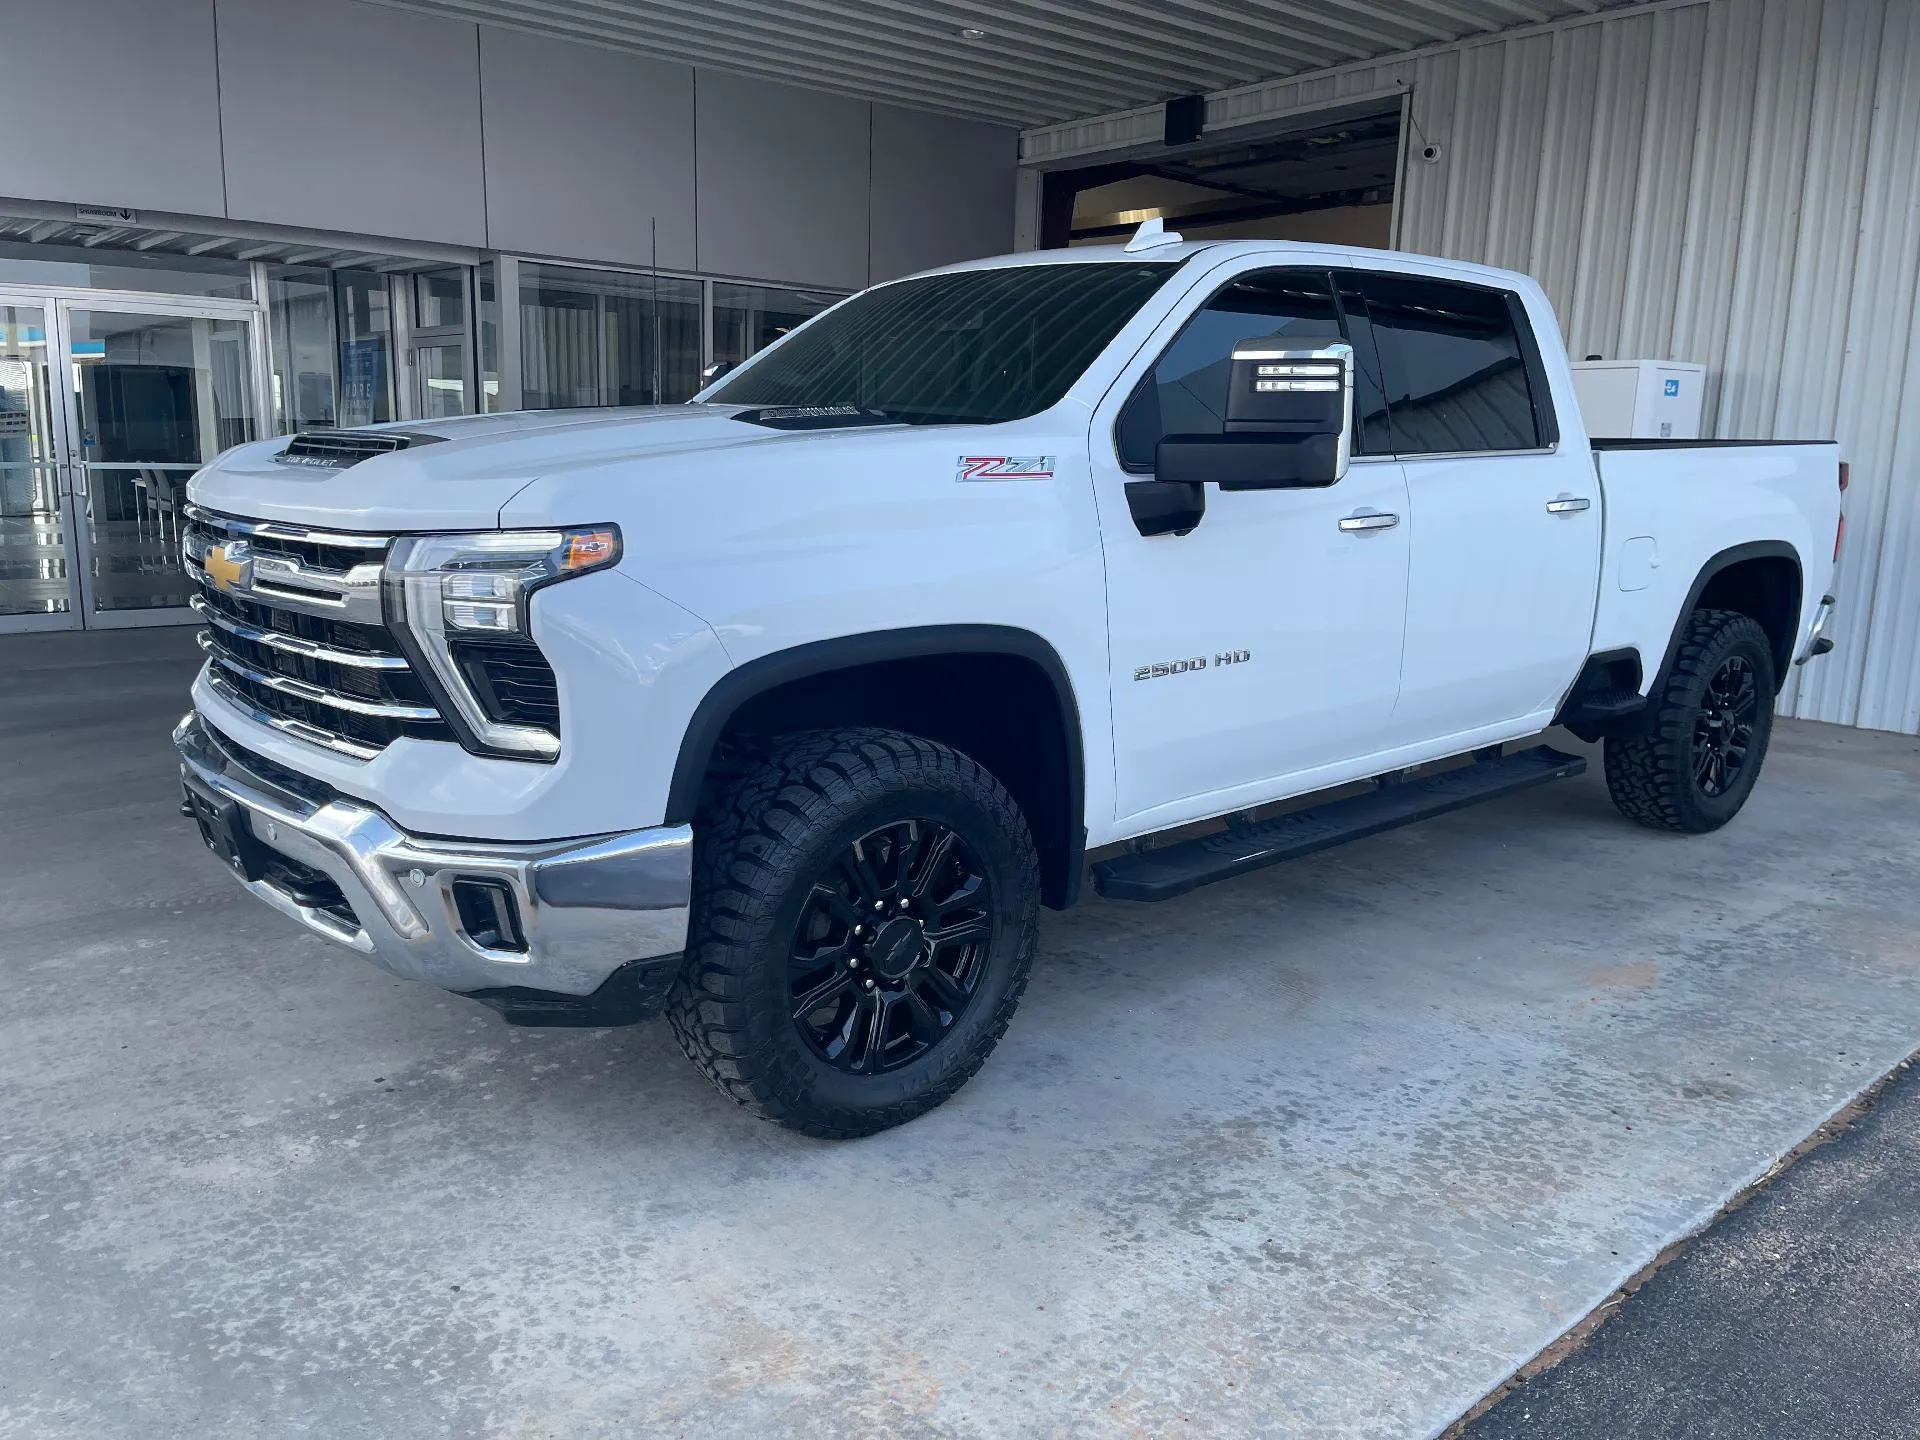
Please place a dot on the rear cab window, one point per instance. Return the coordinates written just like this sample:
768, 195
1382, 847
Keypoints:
1461, 371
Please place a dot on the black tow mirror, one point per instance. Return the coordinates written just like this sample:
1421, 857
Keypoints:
1165, 507
1288, 426
1250, 462
1298, 399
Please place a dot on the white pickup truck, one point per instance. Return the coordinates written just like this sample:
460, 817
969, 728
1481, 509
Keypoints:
784, 710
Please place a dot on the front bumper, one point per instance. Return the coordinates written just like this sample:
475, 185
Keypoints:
580, 910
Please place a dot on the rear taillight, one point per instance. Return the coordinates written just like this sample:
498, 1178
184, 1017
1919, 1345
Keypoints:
1840, 530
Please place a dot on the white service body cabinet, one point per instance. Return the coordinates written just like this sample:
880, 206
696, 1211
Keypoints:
1640, 399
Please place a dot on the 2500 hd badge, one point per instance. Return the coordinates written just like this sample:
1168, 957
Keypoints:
1187, 667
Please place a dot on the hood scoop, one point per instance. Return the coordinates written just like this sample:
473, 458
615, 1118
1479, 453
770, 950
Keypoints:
338, 449
812, 417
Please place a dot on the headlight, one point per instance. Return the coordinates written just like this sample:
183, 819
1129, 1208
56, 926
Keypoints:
450, 593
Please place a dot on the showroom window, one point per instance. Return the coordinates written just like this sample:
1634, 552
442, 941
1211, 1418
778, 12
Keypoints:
300, 321
606, 337
331, 346
748, 318
488, 318
364, 317
409, 341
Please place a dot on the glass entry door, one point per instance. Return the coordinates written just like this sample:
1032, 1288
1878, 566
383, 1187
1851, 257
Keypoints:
37, 571
135, 395
435, 311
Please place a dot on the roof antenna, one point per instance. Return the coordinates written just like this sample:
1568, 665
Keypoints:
1153, 235
653, 300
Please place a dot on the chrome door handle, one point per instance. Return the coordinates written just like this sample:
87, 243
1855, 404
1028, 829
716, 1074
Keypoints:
1569, 505
1361, 521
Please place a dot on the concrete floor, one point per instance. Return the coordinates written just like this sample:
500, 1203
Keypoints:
1325, 1151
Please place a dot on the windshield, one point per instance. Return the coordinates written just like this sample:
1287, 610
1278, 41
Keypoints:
977, 346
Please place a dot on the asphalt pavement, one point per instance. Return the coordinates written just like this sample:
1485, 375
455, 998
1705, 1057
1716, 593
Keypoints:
1794, 1316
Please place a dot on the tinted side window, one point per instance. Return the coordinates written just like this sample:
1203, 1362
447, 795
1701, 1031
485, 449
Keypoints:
1455, 373
1371, 433
1186, 391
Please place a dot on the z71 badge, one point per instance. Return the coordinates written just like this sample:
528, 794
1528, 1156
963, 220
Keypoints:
1005, 467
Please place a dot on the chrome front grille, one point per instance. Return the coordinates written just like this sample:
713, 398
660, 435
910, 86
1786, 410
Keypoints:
297, 637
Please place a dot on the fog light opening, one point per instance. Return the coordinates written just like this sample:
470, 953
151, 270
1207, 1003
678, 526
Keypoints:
489, 915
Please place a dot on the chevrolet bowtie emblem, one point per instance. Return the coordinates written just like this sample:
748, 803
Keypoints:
230, 566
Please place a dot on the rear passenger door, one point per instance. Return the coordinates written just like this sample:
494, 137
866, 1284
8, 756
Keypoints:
1505, 525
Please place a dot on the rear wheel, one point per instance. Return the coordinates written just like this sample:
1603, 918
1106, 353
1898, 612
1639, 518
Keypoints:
865, 913
1696, 763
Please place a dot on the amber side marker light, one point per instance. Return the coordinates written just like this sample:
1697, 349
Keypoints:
590, 549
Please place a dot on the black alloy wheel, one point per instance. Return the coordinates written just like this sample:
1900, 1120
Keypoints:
1723, 734
890, 946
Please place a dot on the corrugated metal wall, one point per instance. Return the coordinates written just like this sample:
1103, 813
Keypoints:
1734, 182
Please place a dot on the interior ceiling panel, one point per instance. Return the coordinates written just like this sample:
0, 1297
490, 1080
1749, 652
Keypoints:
1017, 62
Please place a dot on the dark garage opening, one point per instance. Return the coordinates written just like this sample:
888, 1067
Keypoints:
1330, 180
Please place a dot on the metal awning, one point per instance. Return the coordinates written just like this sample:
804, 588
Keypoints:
1018, 62
86, 227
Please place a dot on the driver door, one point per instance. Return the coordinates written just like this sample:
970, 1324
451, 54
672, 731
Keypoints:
1259, 653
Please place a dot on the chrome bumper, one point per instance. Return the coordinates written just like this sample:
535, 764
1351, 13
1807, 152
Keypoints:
584, 908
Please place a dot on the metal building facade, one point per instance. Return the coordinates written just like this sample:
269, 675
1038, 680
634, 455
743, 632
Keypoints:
1733, 182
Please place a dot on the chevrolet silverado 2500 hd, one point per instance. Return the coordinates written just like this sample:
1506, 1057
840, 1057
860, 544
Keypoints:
783, 710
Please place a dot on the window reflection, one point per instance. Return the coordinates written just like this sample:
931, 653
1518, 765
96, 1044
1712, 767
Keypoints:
300, 315
365, 327
748, 318
596, 337
587, 338
1456, 376
439, 298
156, 397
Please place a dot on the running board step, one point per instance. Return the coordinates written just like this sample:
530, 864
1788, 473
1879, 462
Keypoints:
1163, 874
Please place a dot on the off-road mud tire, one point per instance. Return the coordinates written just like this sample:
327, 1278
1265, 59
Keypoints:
767, 828
1651, 775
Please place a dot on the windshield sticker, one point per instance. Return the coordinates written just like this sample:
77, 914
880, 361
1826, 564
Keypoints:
1006, 467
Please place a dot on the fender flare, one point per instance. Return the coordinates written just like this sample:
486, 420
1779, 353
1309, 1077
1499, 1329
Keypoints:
1726, 560
847, 652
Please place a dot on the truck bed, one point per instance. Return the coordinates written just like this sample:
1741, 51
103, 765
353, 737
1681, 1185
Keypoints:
1673, 515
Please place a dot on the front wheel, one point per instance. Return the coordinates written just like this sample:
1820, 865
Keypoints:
865, 911
1695, 764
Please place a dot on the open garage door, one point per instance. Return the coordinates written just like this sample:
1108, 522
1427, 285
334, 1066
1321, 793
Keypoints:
1329, 178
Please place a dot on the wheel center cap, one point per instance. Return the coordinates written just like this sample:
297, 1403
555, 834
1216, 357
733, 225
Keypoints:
896, 948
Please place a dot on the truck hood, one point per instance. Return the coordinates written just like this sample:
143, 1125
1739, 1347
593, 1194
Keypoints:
463, 477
